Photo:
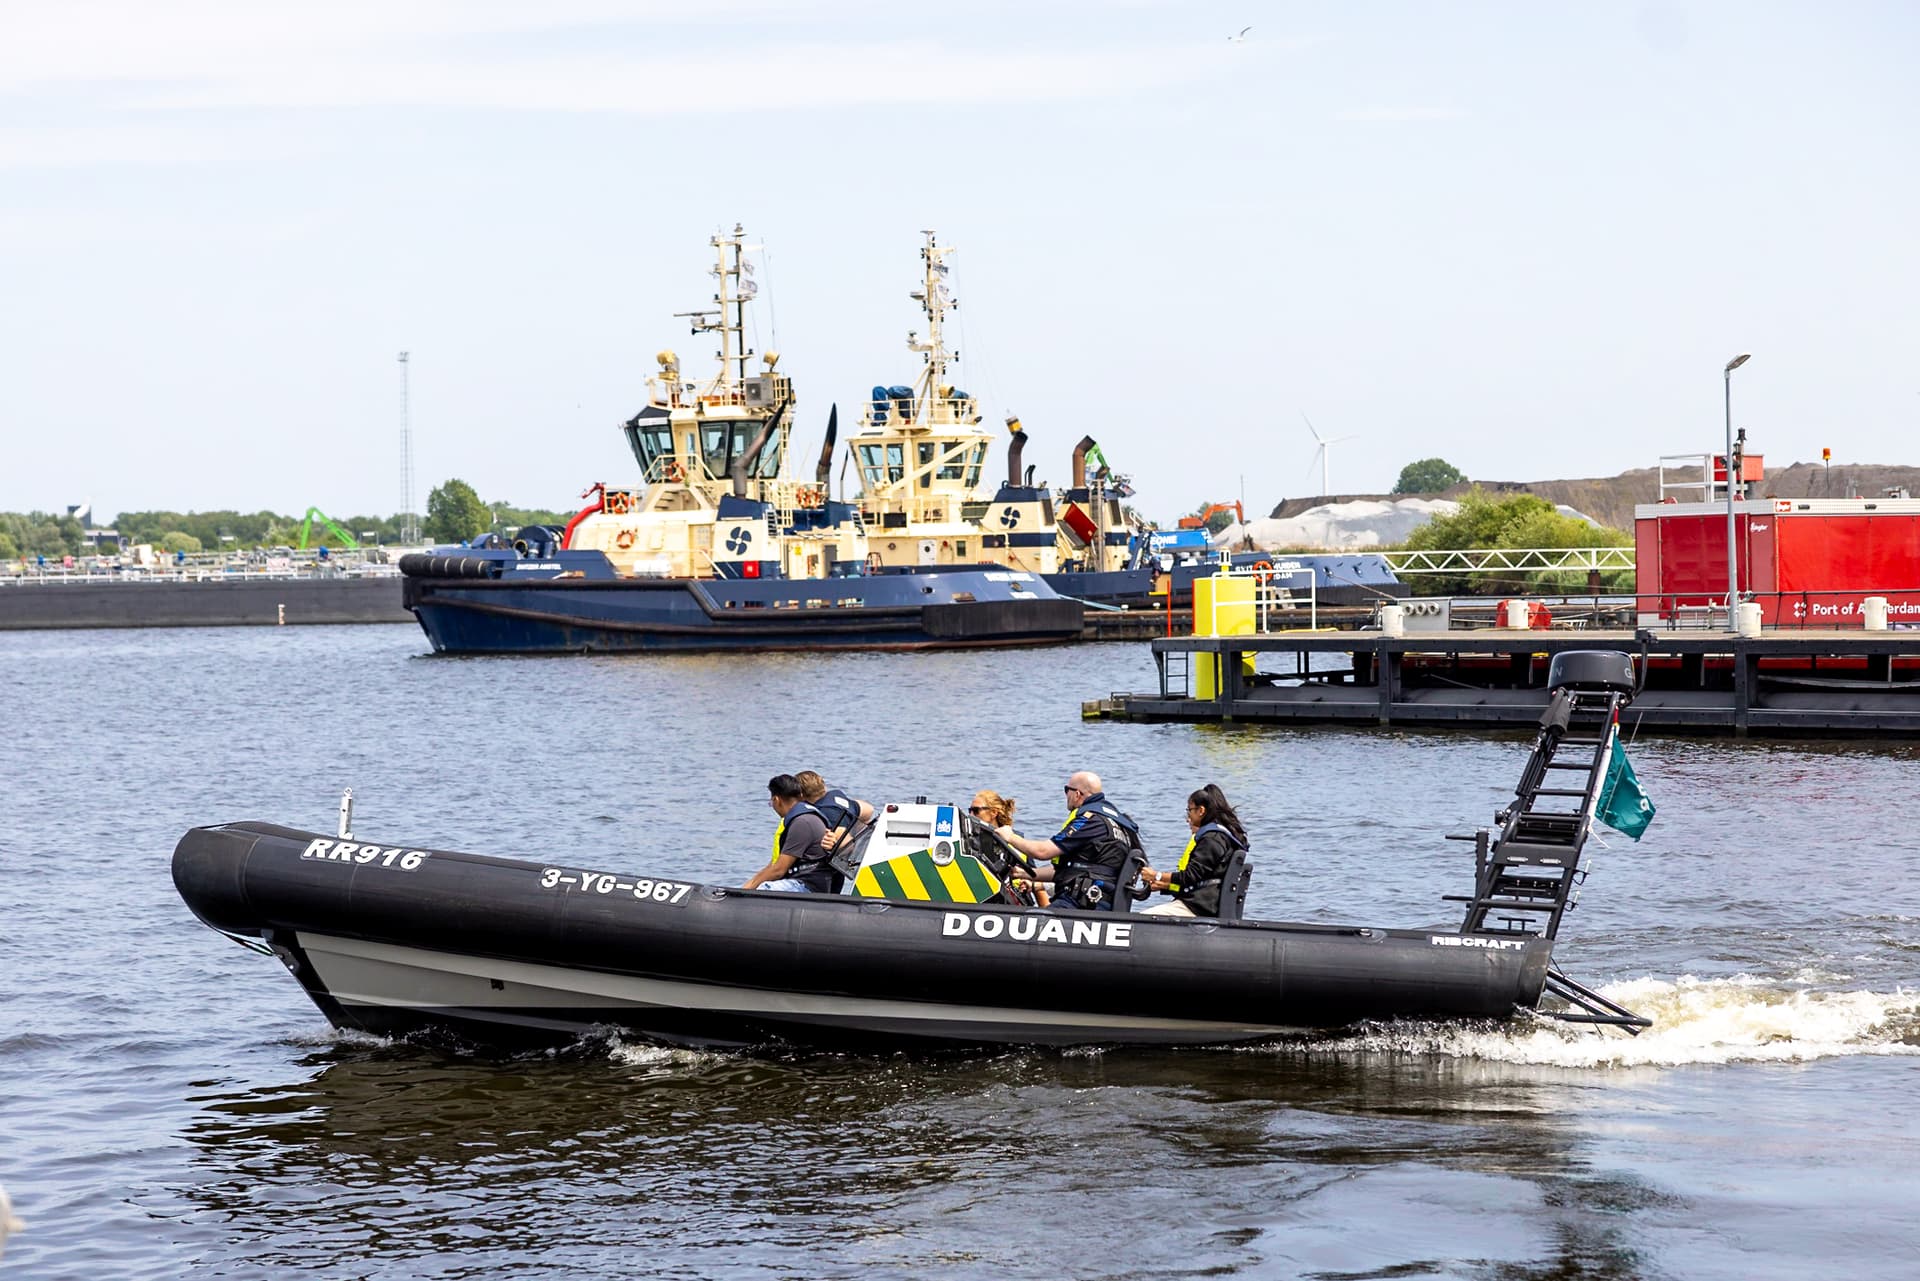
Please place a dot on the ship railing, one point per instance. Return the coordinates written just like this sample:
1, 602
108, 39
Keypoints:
722, 390
1897, 609
1276, 606
1688, 474
1510, 560
170, 574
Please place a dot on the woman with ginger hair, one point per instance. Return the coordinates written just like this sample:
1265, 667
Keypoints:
995, 810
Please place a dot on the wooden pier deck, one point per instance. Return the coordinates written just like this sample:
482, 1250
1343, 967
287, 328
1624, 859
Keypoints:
1782, 683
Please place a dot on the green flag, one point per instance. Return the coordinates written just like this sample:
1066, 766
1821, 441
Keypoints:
1623, 806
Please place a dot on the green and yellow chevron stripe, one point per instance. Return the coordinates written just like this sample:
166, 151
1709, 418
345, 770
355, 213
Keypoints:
916, 876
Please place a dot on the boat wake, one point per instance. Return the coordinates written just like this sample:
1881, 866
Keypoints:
1742, 1019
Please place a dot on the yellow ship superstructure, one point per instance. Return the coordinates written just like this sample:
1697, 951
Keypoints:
703, 442
921, 454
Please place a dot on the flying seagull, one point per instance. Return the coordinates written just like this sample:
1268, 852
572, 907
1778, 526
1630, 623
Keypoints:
1241, 38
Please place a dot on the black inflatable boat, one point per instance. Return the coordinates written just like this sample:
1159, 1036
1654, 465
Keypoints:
395, 939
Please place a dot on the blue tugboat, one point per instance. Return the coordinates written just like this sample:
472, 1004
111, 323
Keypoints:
502, 601
720, 546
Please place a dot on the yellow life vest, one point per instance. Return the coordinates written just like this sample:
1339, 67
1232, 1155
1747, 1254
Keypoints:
1173, 884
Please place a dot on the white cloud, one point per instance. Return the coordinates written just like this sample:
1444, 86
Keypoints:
144, 142
1396, 115
786, 76
664, 58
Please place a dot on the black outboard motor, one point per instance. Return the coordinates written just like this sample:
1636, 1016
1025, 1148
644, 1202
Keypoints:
1593, 670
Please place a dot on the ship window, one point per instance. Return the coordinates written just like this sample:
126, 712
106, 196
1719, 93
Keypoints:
954, 466
959, 547
896, 462
770, 456
650, 443
974, 464
715, 449
925, 466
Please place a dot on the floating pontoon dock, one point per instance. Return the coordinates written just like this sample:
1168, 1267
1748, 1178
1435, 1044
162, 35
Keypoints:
1780, 683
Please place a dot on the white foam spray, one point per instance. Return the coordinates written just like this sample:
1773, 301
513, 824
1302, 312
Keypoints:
1722, 1020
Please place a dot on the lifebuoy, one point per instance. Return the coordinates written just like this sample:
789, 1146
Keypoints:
807, 497
624, 539
616, 502
673, 471
1262, 570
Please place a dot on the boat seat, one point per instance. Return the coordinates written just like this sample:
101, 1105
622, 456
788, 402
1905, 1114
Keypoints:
1123, 891
1234, 879
844, 864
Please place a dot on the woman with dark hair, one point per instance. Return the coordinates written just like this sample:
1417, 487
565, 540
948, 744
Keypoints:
1195, 884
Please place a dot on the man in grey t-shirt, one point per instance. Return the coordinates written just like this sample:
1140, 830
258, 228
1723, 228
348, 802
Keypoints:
799, 860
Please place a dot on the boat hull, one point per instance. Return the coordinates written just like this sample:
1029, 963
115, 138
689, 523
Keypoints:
506, 951
509, 616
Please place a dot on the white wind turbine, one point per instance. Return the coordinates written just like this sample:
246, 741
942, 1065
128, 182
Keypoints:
1325, 446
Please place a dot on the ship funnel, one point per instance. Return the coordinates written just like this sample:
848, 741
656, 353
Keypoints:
1014, 447
751, 459
825, 469
1080, 462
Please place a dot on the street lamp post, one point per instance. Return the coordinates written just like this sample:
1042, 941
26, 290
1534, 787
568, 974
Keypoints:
1733, 580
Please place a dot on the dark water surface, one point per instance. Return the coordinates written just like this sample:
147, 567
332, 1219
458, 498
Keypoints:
172, 1105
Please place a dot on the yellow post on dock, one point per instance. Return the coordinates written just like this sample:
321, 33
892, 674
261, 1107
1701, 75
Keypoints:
1222, 606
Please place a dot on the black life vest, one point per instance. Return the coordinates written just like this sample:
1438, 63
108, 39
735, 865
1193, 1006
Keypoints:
1116, 837
1175, 886
1202, 896
837, 808
800, 807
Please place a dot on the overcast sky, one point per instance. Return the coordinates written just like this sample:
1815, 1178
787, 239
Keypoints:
1524, 237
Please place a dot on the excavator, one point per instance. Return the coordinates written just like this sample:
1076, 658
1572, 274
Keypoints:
1211, 510
306, 529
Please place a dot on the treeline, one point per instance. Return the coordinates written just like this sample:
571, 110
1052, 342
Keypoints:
39, 534
1484, 522
34, 534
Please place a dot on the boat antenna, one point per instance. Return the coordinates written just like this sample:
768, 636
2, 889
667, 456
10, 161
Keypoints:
773, 313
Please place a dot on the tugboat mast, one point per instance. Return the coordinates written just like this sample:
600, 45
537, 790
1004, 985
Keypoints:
935, 300
728, 319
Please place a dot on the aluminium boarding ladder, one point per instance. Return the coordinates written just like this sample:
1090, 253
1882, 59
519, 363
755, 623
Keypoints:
1529, 875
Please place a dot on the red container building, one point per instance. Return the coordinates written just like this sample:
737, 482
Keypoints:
1807, 562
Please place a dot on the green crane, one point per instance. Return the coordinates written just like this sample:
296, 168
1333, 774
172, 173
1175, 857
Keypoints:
306, 528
